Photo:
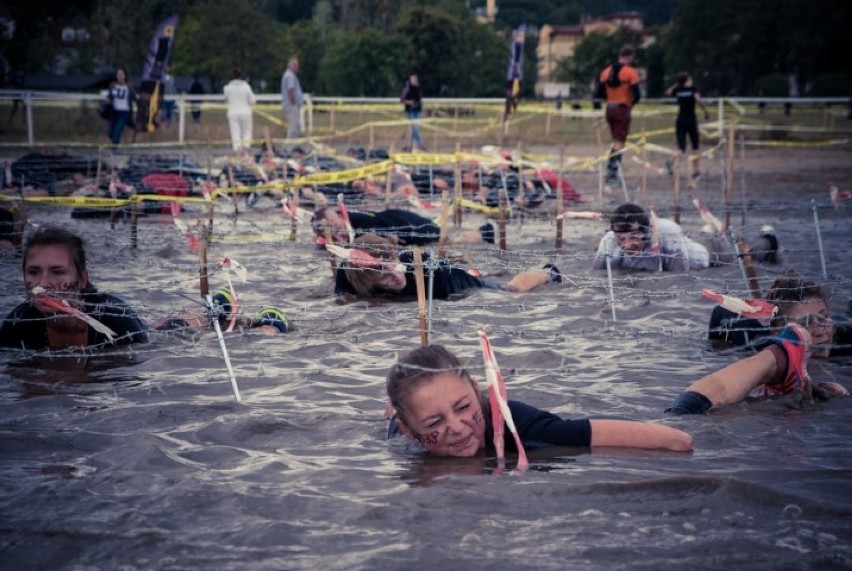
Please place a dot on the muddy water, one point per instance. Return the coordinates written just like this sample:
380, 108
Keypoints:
141, 459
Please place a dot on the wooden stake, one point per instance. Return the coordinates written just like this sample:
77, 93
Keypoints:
750, 271
677, 188
457, 189
421, 296
445, 222
504, 214
134, 222
560, 199
233, 193
729, 173
203, 284
294, 221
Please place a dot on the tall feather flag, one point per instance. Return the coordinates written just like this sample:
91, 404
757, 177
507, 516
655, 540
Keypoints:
156, 67
515, 71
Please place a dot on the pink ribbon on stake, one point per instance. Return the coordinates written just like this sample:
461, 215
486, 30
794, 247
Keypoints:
499, 407
750, 308
341, 208
61, 306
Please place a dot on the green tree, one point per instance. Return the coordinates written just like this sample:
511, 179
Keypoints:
483, 55
29, 48
128, 32
213, 39
304, 40
433, 39
363, 63
728, 45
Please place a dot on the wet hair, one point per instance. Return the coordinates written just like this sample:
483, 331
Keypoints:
355, 281
626, 216
361, 281
787, 291
627, 51
56, 236
318, 219
418, 367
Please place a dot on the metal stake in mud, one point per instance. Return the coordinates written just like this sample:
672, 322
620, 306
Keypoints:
218, 328
746, 266
819, 240
611, 288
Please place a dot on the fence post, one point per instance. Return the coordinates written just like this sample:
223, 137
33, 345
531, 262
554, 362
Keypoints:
181, 118
28, 108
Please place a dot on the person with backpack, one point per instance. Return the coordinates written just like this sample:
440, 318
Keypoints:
618, 85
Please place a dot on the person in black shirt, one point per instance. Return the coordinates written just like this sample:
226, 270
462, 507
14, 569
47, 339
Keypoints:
55, 262
413, 102
439, 405
402, 226
686, 124
799, 301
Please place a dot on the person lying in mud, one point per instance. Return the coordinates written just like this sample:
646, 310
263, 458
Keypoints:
269, 320
634, 243
401, 227
393, 275
9, 235
799, 301
439, 405
63, 308
779, 369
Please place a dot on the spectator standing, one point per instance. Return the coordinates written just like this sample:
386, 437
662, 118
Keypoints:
169, 92
292, 99
240, 98
413, 101
17, 80
122, 97
197, 88
686, 123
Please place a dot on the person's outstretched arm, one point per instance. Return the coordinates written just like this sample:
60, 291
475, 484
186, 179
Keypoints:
785, 358
633, 434
528, 280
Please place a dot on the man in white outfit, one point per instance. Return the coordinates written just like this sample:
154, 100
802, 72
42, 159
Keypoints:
634, 242
292, 99
240, 98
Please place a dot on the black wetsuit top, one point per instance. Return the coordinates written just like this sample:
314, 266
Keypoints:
410, 228
728, 326
537, 429
685, 102
540, 428
25, 326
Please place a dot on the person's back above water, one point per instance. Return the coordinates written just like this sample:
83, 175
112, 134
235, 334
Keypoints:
64, 309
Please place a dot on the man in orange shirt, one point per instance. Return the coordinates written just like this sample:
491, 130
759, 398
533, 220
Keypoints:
618, 84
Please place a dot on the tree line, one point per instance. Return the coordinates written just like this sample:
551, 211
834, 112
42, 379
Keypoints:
367, 47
